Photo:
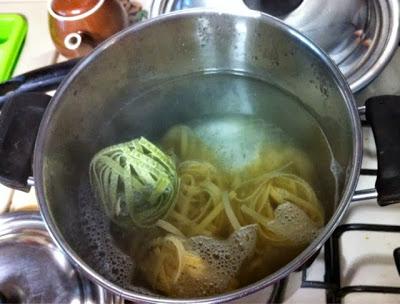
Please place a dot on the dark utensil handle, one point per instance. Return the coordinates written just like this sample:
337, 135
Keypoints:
19, 123
383, 113
40, 80
273, 7
396, 255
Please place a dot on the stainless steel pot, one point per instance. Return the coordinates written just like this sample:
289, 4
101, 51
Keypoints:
171, 46
26, 251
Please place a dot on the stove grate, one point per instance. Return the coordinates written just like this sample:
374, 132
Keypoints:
335, 292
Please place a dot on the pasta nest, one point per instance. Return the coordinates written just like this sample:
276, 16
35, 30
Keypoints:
136, 182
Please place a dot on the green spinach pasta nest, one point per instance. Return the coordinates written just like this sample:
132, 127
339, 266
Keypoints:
136, 182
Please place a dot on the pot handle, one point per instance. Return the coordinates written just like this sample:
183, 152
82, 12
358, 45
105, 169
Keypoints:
19, 123
40, 80
383, 114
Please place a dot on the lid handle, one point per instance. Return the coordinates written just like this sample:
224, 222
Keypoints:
273, 7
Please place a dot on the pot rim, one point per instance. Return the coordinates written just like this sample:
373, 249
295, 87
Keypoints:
273, 278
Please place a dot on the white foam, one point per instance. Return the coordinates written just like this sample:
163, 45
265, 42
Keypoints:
224, 257
99, 248
294, 224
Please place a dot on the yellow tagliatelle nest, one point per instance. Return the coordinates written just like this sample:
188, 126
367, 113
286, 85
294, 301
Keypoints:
197, 266
272, 199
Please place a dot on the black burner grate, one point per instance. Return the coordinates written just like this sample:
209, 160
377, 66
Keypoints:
335, 292
396, 255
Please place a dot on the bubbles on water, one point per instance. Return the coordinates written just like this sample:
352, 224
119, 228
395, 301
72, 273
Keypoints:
225, 257
294, 224
96, 244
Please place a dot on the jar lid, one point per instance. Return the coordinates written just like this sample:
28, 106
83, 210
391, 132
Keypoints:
34, 270
360, 36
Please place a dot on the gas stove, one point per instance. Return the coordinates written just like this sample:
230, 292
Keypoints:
361, 261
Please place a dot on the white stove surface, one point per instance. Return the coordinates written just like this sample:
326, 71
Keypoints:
366, 257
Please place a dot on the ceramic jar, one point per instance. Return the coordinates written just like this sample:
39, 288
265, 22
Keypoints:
77, 26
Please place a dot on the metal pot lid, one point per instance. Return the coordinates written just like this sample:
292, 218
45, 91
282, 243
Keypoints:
359, 35
34, 270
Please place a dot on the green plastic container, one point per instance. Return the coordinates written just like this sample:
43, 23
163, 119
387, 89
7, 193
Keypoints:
13, 28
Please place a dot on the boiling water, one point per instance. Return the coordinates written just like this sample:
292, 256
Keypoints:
236, 115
